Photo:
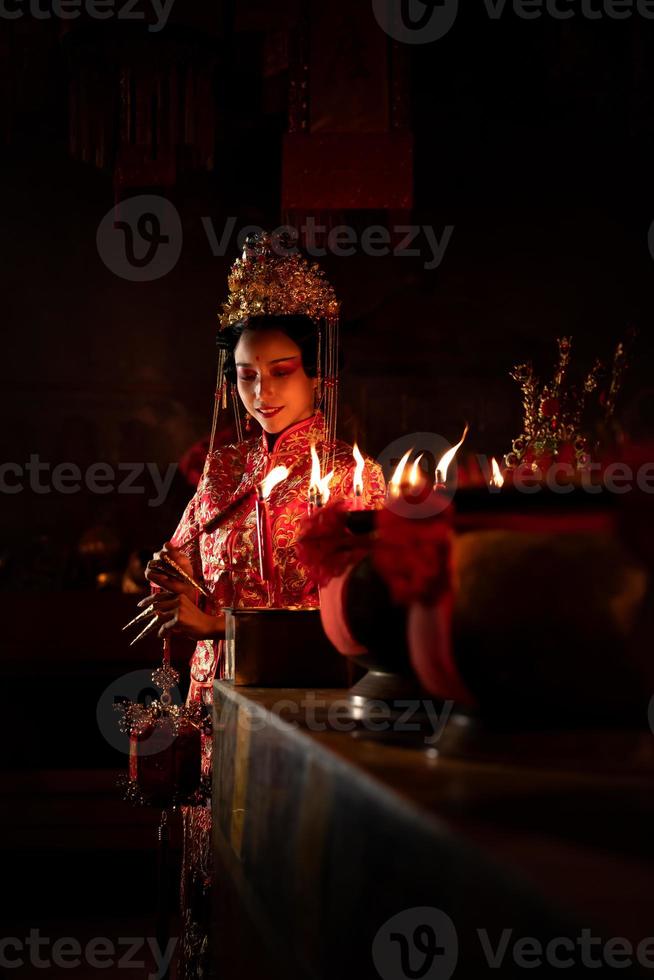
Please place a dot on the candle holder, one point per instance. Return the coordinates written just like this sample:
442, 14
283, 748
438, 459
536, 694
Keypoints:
380, 626
551, 599
548, 617
376, 625
280, 648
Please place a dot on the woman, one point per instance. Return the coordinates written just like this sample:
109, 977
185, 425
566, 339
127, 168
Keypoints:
279, 361
273, 361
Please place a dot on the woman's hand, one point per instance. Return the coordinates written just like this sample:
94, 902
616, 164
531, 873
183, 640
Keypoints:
156, 576
179, 614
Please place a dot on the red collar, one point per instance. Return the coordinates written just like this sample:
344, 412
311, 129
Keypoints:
314, 425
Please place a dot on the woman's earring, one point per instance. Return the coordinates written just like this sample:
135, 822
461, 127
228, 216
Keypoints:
248, 422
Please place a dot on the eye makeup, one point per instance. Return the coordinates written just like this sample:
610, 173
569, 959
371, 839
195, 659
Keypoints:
282, 368
287, 367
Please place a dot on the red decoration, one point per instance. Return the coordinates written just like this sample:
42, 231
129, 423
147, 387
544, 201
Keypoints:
550, 407
413, 557
164, 762
327, 546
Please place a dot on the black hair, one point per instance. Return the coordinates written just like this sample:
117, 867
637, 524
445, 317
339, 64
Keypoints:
300, 328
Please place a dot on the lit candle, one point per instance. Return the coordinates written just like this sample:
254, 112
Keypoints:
357, 480
445, 461
324, 493
319, 486
396, 483
497, 479
416, 476
264, 527
314, 485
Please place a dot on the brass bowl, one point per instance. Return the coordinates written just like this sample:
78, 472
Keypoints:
544, 625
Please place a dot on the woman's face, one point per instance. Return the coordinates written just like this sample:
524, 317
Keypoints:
271, 379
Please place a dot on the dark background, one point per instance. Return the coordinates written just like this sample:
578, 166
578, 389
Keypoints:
534, 139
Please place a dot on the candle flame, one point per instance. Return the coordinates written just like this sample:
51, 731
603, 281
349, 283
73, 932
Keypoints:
414, 475
396, 479
315, 468
357, 482
323, 486
497, 480
270, 482
446, 459
319, 485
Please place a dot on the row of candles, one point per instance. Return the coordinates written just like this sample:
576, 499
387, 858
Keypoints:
401, 483
406, 479
412, 480
319, 493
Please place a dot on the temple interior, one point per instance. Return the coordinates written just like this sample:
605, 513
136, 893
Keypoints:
326, 537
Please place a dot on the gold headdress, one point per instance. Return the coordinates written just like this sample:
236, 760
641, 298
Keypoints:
272, 278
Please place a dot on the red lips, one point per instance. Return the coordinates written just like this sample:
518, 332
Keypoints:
268, 413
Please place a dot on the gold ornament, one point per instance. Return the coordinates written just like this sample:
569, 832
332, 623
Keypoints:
270, 279
554, 414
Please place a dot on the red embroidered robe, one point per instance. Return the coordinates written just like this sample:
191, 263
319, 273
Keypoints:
226, 560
